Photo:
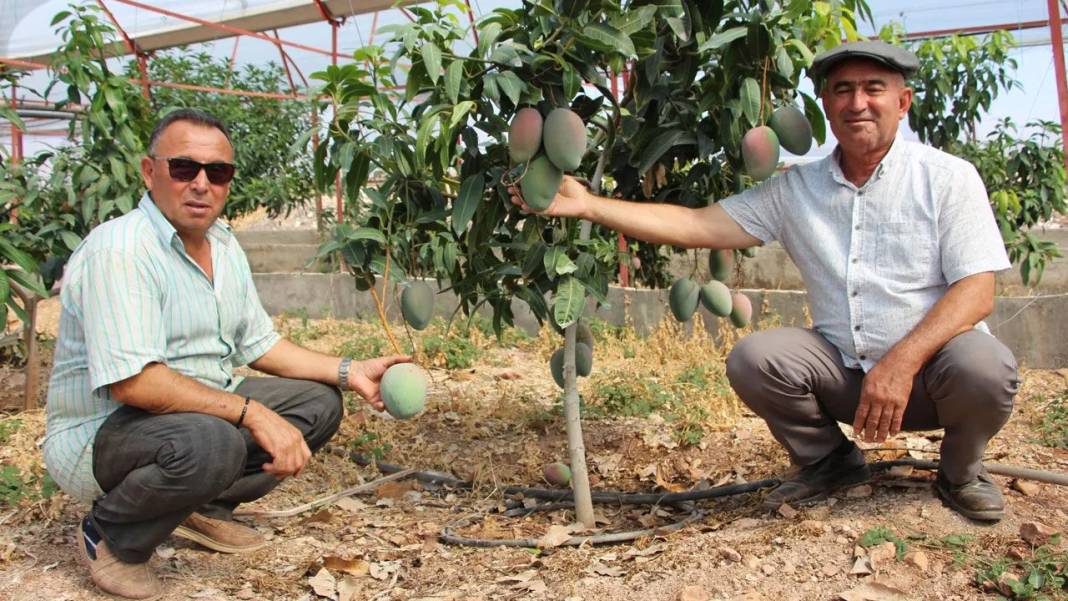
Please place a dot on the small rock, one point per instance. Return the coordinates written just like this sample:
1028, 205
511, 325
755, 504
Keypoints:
767, 568
693, 593
1025, 488
1036, 533
861, 567
918, 559
1016, 553
821, 513
730, 554
752, 562
245, 593
1005, 582
882, 554
841, 540
830, 569
787, 512
859, 492
901, 471
747, 523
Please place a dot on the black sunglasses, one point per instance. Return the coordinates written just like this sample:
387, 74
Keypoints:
186, 170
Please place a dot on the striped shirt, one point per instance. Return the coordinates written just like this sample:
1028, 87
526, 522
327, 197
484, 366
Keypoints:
876, 259
133, 296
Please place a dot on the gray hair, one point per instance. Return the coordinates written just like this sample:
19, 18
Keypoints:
189, 115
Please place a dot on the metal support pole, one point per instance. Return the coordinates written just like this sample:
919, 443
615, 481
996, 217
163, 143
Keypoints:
1058, 65
315, 147
337, 179
16, 133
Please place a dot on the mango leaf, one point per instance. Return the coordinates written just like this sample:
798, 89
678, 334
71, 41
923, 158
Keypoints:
16, 256
511, 85
453, 78
460, 111
70, 239
608, 39
634, 20
816, 119
723, 38
661, 144
569, 301
558, 263
751, 100
432, 60
365, 233
463, 208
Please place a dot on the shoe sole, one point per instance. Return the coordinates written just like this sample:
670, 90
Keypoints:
990, 515
214, 545
861, 477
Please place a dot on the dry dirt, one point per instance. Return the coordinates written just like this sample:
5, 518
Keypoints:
492, 423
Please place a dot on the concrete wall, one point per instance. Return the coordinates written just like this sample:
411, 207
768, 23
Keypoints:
1033, 327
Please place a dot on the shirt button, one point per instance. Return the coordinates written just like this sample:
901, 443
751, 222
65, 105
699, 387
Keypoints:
856, 328
855, 259
855, 293
863, 357
856, 227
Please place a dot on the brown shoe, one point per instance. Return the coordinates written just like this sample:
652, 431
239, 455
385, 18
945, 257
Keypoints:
220, 535
979, 499
112, 575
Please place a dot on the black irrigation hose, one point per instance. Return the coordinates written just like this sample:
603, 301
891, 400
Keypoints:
447, 536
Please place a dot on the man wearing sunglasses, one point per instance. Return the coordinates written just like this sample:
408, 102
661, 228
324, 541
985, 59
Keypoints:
146, 420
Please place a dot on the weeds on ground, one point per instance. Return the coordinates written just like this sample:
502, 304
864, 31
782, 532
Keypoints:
7, 428
1041, 576
370, 444
16, 488
1052, 428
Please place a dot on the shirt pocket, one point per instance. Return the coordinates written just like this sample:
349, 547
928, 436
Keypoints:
905, 254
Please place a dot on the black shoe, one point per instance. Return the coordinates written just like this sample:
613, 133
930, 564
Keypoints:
979, 499
814, 482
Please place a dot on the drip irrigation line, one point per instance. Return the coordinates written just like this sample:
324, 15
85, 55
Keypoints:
448, 536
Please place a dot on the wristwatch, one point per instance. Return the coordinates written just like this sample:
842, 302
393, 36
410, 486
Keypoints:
343, 373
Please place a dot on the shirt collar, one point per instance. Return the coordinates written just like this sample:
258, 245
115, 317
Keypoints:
892, 158
219, 231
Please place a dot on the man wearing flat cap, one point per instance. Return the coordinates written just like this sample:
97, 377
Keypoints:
897, 246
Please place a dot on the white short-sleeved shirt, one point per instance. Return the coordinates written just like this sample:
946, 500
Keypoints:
875, 259
132, 296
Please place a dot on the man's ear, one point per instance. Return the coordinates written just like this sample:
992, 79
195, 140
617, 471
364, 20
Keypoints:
147, 169
905, 101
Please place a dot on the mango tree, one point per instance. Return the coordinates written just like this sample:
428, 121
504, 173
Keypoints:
430, 112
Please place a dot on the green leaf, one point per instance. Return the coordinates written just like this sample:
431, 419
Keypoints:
453, 78
460, 112
815, 118
661, 144
569, 302
512, 86
366, 233
634, 20
723, 38
463, 208
16, 256
70, 239
572, 81
751, 100
5, 289
29, 281
432, 60
609, 39
558, 263
506, 55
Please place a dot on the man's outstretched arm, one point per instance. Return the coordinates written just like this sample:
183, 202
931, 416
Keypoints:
888, 384
659, 223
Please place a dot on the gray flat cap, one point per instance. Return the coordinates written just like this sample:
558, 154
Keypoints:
894, 57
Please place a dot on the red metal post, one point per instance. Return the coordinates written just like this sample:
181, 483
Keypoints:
285, 63
374, 27
233, 60
16, 133
142, 64
471, 18
1057, 38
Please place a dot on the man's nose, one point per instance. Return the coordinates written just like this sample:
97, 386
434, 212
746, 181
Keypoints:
200, 183
858, 101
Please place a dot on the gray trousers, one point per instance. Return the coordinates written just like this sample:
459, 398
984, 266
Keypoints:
796, 381
158, 469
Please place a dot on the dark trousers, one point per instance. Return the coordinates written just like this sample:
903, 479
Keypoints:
158, 469
796, 381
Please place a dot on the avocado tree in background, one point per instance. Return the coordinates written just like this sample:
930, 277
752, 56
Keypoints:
701, 74
959, 78
264, 130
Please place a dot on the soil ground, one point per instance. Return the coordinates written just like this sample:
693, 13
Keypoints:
494, 422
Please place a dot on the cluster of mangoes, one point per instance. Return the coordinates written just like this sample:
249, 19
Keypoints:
685, 294
787, 127
583, 355
548, 147
403, 386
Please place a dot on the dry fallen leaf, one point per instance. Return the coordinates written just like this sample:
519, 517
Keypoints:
324, 584
554, 537
356, 567
603, 570
873, 591
395, 490
323, 516
1036, 533
861, 567
350, 505
347, 589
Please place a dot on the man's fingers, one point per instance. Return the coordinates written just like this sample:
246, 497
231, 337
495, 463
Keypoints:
885, 421
860, 417
895, 424
871, 425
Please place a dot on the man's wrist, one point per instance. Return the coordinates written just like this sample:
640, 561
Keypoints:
343, 370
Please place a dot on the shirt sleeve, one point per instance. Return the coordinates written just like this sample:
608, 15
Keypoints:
758, 210
968, 233
122, 315
256, 335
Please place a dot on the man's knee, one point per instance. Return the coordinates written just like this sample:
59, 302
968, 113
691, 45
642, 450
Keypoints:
208, 459
328, 408
745, 360
978, 375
